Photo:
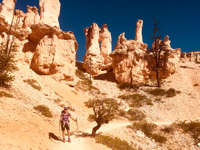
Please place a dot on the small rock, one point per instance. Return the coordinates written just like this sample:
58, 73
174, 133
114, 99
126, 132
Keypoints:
198, 144
140, 133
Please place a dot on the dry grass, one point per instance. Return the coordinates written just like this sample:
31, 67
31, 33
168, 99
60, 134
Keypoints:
126, 85
136, 100
135, 115
122, 113
161, 92
113, 143
190, 127
44, 110
148, 129
33, 83
5, 94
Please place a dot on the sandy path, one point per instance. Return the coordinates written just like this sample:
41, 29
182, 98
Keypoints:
89, 143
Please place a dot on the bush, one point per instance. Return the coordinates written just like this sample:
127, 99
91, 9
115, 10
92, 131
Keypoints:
114, 143
171, 92
44, 110
157, 92
190, 127
33, 83
7, 64
161, 92
4, 94
136, 100
196, 84
62, 105
126, 85
80, 73
135, 115
159, 138
168, 129
147, 129
122, 113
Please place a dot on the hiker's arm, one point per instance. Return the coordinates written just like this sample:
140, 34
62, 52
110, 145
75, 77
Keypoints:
60, 120
73, 118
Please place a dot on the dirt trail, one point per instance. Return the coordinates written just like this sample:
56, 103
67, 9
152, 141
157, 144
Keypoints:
89, 143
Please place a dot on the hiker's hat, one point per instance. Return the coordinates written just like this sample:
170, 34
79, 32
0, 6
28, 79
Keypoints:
65, 108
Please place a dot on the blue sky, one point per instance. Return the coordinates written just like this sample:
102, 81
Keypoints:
180, 19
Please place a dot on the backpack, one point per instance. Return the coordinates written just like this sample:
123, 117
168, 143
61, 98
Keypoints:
62, 121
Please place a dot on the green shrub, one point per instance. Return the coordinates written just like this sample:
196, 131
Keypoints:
113, 143
161, 92
168, 129
145, 127
148, 129
44, 110
79, 73
5, 94
157, 92
122, 113
171, 92
136, 100
7, 64
126, 85
33, 83
159, 138
190, 127
196, 84
135, 115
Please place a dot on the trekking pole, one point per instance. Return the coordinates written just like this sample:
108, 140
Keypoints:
77, 126
59, 131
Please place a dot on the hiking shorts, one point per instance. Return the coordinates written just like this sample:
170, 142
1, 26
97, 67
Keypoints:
65, 126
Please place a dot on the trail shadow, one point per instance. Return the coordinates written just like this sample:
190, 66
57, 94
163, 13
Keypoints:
53, 136
109, 76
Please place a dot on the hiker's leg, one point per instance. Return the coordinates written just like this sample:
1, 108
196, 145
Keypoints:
63, 134
68, 133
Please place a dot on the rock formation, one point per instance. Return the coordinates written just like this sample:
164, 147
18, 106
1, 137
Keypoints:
44, 47
193, 56
128, 60
132, 64
96, 59
32, 17
8, 7
49, 12
138, 31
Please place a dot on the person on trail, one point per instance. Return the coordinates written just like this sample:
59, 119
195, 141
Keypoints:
64, 122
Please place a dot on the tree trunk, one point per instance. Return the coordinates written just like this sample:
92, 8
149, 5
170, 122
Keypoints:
94, 130
158, 77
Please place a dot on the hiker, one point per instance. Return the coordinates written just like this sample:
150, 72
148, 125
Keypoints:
64, 121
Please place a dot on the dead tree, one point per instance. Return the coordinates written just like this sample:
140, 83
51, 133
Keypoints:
157, 54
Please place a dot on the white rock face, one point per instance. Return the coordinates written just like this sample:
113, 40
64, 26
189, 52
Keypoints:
8, 7
49, 12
